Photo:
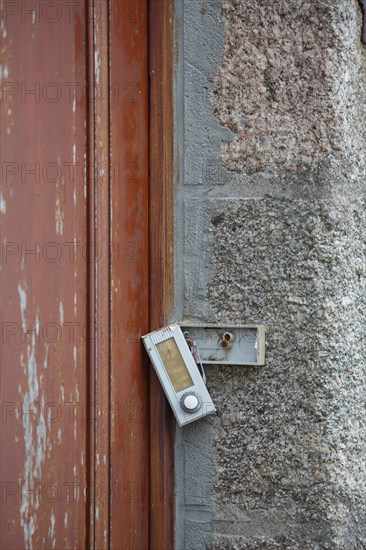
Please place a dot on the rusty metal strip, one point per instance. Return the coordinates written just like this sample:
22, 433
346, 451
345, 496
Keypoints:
161, 265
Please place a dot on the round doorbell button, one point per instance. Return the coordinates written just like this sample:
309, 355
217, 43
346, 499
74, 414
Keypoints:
190, 402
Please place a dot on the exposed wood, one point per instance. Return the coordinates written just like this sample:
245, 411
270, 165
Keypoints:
161, 266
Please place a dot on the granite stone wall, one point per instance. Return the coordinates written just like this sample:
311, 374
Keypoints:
270, 141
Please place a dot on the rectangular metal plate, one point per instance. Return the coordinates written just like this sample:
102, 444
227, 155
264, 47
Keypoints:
247, 347
174, 365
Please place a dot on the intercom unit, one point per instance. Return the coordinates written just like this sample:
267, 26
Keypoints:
178, 374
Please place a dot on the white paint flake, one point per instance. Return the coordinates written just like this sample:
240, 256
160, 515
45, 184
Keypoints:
35, 430
59, 218
45, 362
23, 303
4, 72
97, 67
51, 530
2, 204
85, 182
61, 312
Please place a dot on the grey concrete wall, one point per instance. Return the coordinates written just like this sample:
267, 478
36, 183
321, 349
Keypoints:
270, 140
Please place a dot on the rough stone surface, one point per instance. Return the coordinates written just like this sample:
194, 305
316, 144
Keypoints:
270, 228
290, 84
293, 435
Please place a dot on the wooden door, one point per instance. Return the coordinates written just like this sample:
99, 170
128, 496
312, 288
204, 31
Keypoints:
76, 423
45, 369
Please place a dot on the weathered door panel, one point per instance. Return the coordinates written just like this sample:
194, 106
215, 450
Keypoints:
44, 277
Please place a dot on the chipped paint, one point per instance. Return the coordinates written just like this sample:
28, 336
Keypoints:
97, 66
51, 530
59, 217
45, 362
2, 203
61, 312
23, 303
35, 441
4, 72
59, 290
41, 368
85, 177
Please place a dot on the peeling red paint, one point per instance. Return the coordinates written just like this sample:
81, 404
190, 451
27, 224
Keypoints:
42, 449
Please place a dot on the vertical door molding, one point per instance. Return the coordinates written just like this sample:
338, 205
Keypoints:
99, 272
119, 281
161, 265
129, 130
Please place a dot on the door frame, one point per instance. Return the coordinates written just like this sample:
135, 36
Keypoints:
159, 74
161, 264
